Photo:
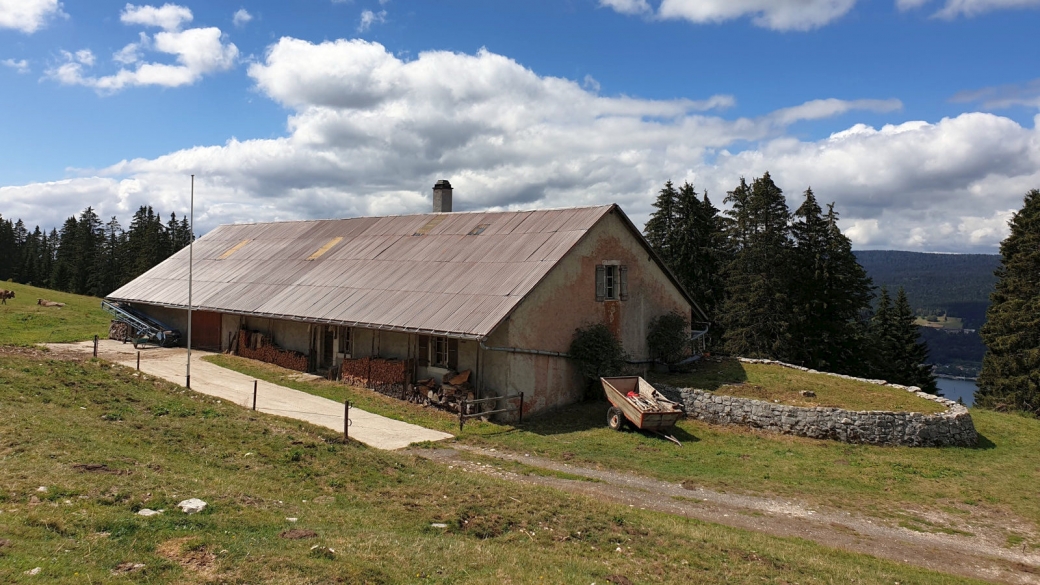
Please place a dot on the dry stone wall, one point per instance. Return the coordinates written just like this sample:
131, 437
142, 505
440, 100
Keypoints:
951, 428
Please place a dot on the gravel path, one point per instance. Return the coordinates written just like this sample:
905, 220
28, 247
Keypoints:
958, 555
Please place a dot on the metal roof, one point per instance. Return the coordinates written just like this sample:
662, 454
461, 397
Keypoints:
422, 273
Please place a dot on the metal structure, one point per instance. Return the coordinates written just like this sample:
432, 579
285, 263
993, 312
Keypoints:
635, 400
146, 329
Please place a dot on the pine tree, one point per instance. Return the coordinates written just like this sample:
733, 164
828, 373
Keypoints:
830, 293
660, 229
912, 353
756, 312
1010, 377
883, 339
8, 258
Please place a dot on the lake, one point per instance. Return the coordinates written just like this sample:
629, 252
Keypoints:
954, 389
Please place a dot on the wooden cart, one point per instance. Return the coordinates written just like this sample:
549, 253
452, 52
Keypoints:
635, 400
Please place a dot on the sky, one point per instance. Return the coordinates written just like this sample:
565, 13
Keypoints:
917, 118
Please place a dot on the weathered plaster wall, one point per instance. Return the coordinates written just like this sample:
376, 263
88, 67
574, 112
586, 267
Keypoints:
291, 335
566, 300
951, 428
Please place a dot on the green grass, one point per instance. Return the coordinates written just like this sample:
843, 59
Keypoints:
160, 443
778, 384
999, 478
23, 322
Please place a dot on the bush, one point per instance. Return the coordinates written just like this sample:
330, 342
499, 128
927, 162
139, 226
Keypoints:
668, 337
597, 352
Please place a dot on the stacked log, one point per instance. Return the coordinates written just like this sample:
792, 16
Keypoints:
386, 376
120, 331
257, 346
449, 392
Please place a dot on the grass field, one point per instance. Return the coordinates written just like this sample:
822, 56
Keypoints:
23, 322
983, 486
86, 445
784, 385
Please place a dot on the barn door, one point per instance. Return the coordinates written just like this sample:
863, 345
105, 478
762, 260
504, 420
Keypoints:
205, 330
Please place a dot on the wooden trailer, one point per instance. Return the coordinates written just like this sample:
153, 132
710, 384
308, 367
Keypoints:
635, 400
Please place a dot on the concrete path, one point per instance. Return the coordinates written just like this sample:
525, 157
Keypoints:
170, 364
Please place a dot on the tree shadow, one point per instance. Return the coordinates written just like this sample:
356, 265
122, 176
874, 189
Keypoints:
705, 375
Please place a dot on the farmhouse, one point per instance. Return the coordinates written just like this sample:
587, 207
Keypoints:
390, 301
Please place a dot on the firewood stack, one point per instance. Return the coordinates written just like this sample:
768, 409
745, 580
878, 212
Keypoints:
120, 331
257, 346
453, 388
385, 376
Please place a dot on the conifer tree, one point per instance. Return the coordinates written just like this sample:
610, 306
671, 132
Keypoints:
830, 293
912, 354
756, 312
660, 229
7, 250
1010, 377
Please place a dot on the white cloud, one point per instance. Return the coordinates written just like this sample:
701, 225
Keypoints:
21, 65
368, 18
167, 17
628, 6
197, 52
241, 17
968, 8
773, 14
370, 133
1004, 96
28, 16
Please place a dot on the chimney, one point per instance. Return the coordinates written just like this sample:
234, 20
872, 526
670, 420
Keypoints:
442, 197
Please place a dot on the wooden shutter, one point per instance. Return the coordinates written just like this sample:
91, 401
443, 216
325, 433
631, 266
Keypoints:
423, 357
453, 354
623, 271
601, 283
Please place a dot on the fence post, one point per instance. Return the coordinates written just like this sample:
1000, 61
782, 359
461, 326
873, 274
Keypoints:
95, 345
346, 420
254, 394
462, 409
138, 361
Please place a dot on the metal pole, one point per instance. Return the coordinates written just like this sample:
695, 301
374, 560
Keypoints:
254, 394
138, 361
191, 251
95, 345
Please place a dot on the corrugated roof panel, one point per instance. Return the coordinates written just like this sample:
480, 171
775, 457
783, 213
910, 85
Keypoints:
379, 273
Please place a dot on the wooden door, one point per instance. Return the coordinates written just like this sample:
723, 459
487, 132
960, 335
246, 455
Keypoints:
205, 330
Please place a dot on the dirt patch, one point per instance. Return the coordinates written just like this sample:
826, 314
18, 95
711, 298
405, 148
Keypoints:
127, 567
298, 534
187, 553
99, 468
619, 580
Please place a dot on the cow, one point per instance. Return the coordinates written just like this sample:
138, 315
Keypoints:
47, 303
4, 295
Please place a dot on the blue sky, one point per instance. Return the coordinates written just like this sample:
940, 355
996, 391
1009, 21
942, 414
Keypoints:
915, 116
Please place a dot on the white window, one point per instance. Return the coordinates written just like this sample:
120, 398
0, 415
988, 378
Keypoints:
439, 351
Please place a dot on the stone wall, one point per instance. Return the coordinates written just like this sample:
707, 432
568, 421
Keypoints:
951, 428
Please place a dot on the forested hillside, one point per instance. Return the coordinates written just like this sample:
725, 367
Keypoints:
86, 256
958, 284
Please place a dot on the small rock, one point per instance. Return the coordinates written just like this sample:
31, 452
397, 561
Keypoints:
42, 489
148, 513
35, 571
808, 394
34, 500
291, 519
438, 525
192, 505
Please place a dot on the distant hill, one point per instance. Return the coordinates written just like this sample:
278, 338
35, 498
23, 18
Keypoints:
955, 284
959, 284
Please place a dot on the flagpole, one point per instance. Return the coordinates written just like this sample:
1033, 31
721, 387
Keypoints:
191, 251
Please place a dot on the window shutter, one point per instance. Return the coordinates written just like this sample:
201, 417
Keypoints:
623, 270
601, 283
423, 357
453, 354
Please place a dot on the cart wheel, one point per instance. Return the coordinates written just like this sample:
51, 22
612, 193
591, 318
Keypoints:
135, 343
615, 419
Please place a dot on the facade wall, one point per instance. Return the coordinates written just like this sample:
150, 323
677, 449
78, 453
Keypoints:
566, 300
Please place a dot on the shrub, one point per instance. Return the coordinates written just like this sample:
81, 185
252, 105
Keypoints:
668, 337
597, 352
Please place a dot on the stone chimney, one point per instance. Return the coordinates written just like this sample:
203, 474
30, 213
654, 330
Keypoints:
442, 197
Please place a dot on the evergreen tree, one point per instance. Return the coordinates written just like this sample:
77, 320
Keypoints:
660, 229
912, 354
830, 293
756, 312
8, 257
65, 252
1010, 377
